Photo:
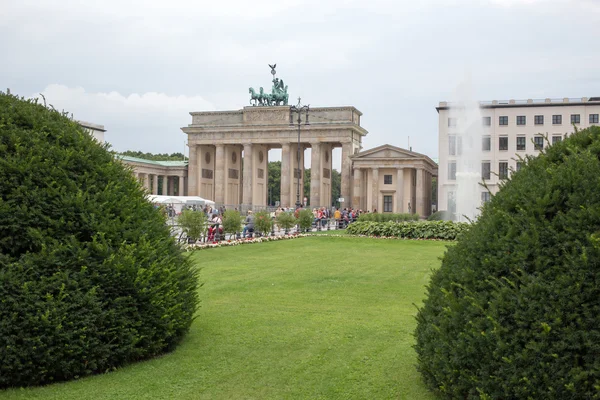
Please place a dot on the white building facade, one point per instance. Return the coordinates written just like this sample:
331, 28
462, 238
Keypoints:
499, 134
97, 131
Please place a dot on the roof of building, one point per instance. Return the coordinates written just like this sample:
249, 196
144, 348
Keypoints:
89, 125
392, 152
154, 162
548, 102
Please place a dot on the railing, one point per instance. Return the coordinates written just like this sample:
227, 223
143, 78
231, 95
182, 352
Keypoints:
324, 224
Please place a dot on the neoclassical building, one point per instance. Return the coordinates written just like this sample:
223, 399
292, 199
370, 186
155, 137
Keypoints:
391, 179
172, 174
229, 153
228, 162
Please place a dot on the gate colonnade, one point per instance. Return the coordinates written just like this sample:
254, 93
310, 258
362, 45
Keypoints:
228, 154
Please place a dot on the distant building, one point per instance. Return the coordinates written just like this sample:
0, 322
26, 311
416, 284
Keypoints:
172, 175
391, 179
504, 131
97, 131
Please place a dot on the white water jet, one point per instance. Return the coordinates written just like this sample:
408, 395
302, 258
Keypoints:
469, 129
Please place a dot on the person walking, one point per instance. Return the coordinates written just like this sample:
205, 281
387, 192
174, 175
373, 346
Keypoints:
249, 226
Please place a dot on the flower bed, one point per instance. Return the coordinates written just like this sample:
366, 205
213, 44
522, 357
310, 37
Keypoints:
237, 242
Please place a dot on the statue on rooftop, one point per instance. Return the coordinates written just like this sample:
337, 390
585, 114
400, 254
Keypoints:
278, 97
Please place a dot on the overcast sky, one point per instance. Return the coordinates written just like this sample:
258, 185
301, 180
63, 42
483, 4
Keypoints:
140, 67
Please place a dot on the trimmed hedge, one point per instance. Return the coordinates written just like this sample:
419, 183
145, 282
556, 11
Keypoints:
446, 230
385, 217
90, 277
514, 310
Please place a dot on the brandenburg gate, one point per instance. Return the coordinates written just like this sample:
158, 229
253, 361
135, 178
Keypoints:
228, 152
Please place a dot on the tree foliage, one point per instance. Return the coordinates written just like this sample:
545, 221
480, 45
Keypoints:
154, 157
90, 277
193, 224
286, 220
305, 219
274, 182
514, 310
263, 222
232, 222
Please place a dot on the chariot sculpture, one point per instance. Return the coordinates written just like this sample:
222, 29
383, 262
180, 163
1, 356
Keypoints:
278, 96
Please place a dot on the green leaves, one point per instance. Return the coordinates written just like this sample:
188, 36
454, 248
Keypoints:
285, 220
446, 230
90, 278
514, 310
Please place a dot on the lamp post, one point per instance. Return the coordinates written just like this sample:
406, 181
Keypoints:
298, 109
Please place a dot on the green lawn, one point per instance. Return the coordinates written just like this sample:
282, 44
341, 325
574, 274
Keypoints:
312, 318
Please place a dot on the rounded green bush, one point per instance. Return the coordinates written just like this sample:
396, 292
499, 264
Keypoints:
514, 310
90, 278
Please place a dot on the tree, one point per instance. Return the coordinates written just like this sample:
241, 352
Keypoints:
306, 187
336, 187
263, 222
232, 222
90, 277
274, 182
286, 221
193, 223
154, 157
514, 310
305, 219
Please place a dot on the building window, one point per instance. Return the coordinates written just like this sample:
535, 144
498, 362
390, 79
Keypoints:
556, 139
521, 120
485, 197
503, 120
452, 122
387, 204
452, 171
538, 142
593, 118
387, 179
503, 170
503, 143
519, 165
539, 120
556, 119
486, 143
575, 118
486, 121
485, 170
459, 145
521, 143
452, 202
452, 145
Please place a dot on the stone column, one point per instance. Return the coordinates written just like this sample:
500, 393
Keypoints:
248, 175
315, 175
420, 193
220, 174
346, 173
285, 176
375, 190
154, 184
357, 189
193, 172
400, 191
181, 185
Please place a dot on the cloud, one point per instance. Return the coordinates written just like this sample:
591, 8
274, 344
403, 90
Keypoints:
148, 121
